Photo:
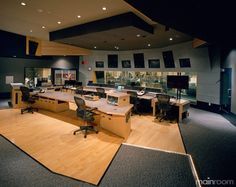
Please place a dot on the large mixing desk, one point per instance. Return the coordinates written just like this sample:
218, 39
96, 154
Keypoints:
182, 104
113, 118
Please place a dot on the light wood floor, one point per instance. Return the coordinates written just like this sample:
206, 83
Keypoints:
51, 142
149, 132
47, 137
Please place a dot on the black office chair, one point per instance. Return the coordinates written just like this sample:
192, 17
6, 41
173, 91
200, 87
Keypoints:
28, 99
163, 104
57, 89
135, 101
86, 115
101, 92
79, 90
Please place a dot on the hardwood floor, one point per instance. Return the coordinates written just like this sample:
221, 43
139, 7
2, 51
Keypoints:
51, 142
48, 137
149, 132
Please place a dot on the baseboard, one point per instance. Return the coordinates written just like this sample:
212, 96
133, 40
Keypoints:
205, 106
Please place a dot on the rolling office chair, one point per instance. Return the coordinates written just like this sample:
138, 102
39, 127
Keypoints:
57, 89
135, 101
101, 92
28, 99
79, 90
86, 115
163, 104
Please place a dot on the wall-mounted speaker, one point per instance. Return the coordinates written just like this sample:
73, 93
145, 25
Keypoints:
33, 47
168, 59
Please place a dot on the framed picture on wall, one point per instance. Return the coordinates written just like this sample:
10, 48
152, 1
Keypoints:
126, 64
99, 64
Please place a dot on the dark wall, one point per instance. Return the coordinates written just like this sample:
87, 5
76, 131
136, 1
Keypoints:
15, 67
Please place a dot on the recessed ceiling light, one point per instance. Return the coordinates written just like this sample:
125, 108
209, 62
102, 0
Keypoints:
104, 8
59, 22
171, 39
43, 27
116, 47
23, 4
79, 16
31, 30
40, 10
138, 35
95, 47
149, 45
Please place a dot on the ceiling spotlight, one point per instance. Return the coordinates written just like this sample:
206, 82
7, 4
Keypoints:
95, 47
104, 8
171, 39
78, 16
149, 45
40, 10
138, 35
59, 22
31, 30
43, 27
23, 4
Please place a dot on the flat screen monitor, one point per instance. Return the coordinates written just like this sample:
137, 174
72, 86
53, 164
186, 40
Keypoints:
112, 61
168, 59
177, 81
154, 63
184, 63
139, 60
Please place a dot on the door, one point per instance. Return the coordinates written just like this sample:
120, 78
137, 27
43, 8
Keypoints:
226, 79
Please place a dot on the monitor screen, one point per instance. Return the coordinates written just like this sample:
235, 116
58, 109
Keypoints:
168, 59
184, 63
154, 63
112, 61
139, 60
176, 81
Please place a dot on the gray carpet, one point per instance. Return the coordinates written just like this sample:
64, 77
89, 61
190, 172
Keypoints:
211, 141
4, 103
18, 169
133, 166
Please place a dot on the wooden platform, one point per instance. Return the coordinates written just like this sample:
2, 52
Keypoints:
52, 143
48, 137
149, 132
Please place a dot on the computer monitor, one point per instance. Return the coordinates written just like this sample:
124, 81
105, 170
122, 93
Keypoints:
177, 81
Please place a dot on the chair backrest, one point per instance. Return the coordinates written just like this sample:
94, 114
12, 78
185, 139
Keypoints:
80, 103
101, 92
25, 93
79, 90
133, 97
57, 89
163, 101
81, 110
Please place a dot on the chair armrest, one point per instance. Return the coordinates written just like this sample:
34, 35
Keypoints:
91, 109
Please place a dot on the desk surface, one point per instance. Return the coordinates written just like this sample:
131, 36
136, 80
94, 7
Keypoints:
100, 104
147, 96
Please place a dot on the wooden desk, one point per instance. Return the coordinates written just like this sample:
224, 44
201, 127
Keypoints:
182, 104
113, 118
